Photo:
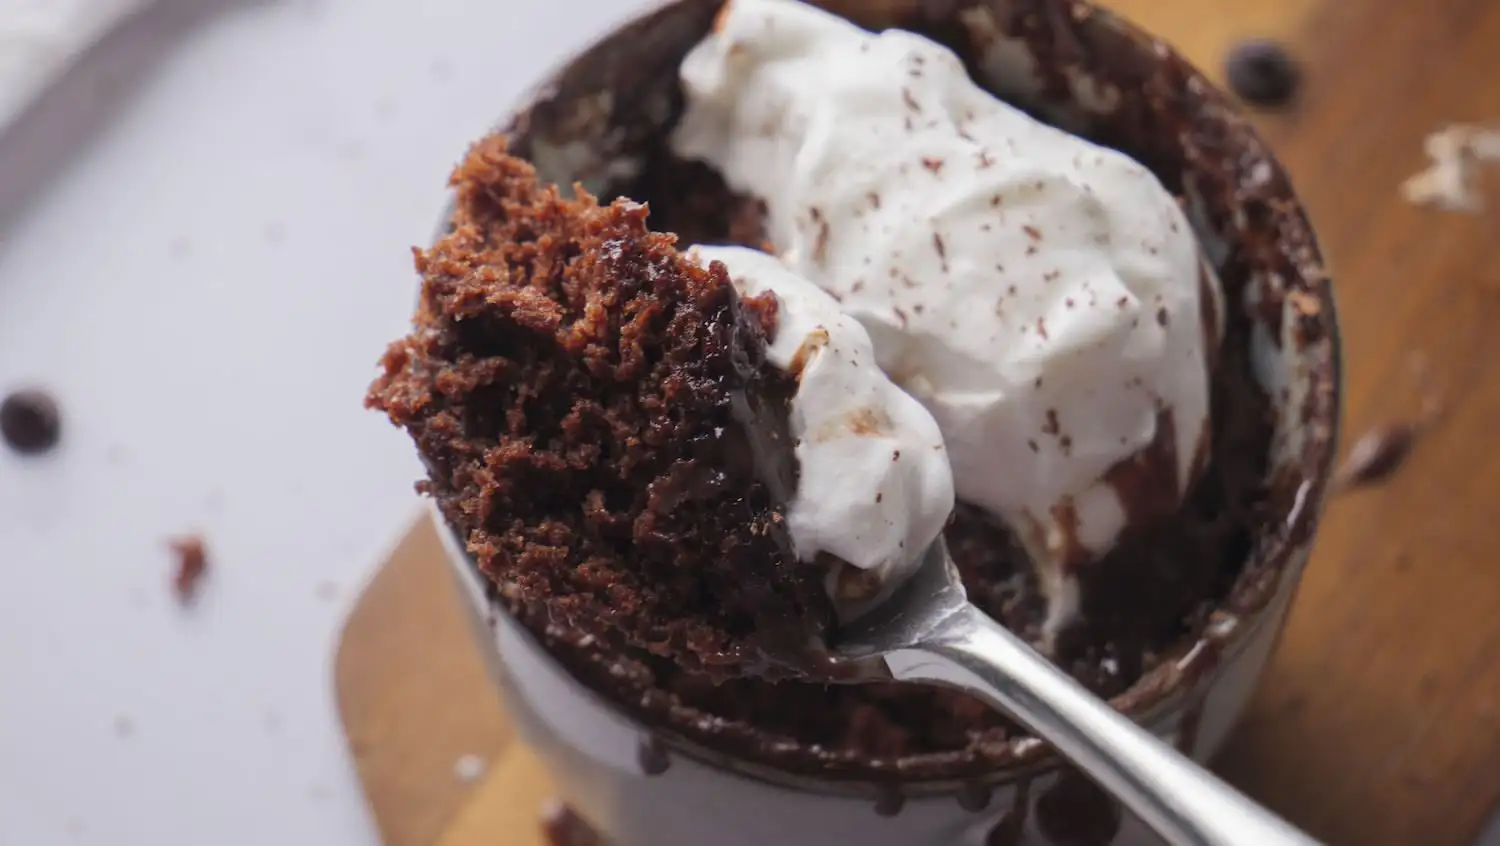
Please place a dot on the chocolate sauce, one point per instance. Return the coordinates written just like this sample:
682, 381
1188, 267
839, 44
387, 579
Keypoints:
1147, 482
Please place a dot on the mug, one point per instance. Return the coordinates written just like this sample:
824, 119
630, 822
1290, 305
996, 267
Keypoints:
639, 781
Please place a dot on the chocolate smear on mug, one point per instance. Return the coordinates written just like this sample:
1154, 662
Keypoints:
1077, 812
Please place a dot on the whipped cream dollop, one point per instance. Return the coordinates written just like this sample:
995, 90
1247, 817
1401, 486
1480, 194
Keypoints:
874, 484
1042, 296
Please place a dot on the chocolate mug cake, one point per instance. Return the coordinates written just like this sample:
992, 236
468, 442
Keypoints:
1170, 609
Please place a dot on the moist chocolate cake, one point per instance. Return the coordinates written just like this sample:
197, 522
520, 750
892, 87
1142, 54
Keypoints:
598, 420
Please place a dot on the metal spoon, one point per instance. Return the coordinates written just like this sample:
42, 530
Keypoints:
928, 632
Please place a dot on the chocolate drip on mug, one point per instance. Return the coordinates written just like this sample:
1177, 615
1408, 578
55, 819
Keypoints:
1011, 828
1187, 729
891, 801
652, 755
1077, 812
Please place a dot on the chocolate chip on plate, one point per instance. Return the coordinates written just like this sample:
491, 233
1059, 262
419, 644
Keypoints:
30, 421
1262, 73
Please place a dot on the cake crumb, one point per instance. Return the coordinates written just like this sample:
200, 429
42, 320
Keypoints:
469, 768
192, 566
1450, 182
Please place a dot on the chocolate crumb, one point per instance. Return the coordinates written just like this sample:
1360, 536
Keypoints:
934, 165
30, 421
1032, 232
1376, 456
910, 101
942, 250
874, 199
1162, 318
192, 566
1262, 73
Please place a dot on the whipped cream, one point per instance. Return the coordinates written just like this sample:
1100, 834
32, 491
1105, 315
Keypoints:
1042, 296
874, 487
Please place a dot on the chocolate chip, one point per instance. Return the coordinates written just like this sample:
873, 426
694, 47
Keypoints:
30, 421
1262, 73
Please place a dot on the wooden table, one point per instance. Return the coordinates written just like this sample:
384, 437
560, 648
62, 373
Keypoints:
1379, 720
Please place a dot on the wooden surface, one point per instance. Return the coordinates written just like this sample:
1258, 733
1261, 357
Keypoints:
1379, 719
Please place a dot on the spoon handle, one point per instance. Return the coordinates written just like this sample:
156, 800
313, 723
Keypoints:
1182, 802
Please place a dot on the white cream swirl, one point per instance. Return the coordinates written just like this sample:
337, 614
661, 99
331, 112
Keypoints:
1042, 296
